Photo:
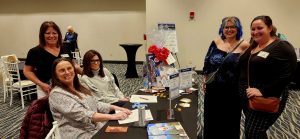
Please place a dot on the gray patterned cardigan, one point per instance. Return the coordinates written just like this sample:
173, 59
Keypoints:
74, 115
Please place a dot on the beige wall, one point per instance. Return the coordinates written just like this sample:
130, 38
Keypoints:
194, 37
103, 24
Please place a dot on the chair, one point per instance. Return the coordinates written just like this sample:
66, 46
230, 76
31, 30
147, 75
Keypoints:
76, 56
24, 87
6, 81
54, 132
116, 80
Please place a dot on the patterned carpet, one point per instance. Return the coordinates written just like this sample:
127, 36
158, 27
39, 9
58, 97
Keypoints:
287, 127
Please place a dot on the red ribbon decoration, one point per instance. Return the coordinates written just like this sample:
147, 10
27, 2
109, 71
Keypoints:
160, 53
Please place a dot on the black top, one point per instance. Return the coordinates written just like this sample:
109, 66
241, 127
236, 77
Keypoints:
228, 72
42, 60
271, 69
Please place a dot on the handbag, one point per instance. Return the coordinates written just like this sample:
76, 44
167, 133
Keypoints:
260, 103
269, 104
212, 76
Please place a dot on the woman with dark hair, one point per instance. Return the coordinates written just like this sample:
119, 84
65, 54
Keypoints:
78, 113
222, 93
40, 58
267, 67
100, 81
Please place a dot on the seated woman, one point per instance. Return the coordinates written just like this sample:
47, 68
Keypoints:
78, 113
99, 80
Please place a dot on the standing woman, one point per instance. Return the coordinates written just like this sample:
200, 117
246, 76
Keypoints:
40, 58
222, 93
100, 81
269, 63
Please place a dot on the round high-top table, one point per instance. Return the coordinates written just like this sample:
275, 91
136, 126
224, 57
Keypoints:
131, 49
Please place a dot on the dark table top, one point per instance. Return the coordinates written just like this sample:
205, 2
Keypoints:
131, 44
187, 117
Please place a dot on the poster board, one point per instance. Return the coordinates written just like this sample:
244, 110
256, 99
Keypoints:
170, 41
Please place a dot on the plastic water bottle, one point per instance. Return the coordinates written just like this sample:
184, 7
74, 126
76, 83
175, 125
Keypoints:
142, 116
145, 83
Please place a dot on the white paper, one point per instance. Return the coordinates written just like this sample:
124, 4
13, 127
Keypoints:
170, 41
174, 86
192, 89
143, 99
134, 117
145, 90
170, 59
186, 76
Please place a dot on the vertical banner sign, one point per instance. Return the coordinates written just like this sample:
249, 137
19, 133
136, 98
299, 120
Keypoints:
186, 76
174, 84
170, 34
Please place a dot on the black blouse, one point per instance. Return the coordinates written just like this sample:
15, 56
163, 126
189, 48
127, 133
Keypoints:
270, 69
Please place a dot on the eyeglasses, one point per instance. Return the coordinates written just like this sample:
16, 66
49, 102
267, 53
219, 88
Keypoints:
95, 61
229, 27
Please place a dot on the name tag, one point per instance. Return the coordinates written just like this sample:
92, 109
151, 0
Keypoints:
64, 55
263, 54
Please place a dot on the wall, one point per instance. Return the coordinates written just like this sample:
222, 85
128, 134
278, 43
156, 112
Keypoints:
101, 24
194, 37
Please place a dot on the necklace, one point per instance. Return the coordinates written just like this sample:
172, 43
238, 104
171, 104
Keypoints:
230, 46
260, 47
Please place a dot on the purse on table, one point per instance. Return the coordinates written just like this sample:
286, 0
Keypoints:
264, 104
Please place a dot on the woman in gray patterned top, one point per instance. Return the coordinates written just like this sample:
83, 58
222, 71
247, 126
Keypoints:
100, 81
78, 113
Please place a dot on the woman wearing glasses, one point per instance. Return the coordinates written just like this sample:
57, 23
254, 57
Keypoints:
222, 93
100, 81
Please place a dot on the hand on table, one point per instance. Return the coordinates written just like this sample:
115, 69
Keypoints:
120, 115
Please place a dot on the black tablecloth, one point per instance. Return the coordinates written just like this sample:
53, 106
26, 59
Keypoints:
187, 117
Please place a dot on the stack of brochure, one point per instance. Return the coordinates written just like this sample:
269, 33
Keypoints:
172, 130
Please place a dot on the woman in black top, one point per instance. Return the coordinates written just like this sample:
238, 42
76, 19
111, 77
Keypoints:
272, 63
40, 58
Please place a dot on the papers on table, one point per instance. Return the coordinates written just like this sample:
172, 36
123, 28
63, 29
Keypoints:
183, 91
143, 99
134, 117
147, 90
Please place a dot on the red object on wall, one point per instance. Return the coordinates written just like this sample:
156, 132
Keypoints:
192, 15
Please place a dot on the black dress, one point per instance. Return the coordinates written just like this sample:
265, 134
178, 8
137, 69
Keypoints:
222, 109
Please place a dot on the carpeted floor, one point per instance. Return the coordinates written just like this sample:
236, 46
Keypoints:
287, 127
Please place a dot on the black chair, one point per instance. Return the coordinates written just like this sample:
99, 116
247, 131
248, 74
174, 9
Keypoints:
116, 80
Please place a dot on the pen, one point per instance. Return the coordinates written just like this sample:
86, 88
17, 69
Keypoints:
144, 98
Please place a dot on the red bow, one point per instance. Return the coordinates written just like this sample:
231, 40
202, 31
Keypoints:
160, 53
